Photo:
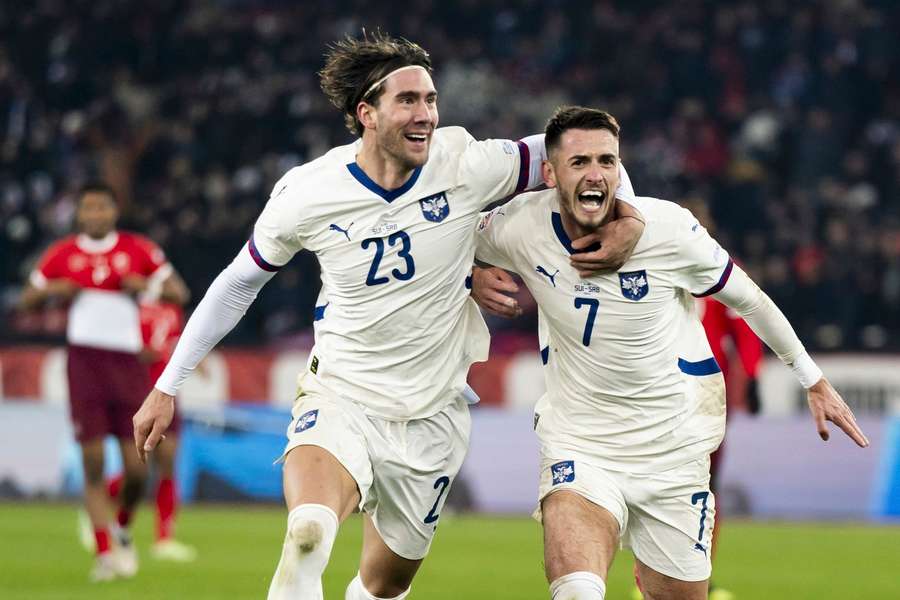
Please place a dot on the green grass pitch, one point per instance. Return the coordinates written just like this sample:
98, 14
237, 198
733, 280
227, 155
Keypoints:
473, 557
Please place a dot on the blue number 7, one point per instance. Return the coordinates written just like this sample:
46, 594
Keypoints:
442, 482
592, 304
701, 497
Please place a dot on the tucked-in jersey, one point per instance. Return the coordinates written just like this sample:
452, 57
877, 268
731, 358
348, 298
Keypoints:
631, 381
395, 328
161, 326
102, 315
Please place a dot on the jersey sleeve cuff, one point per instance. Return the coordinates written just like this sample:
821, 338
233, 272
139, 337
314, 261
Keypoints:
719, 284
259, 260
38, 280
806, 370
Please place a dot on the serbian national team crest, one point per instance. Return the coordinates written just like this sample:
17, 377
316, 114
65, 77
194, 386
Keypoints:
634, 284
435, 208
306, 420
563, 472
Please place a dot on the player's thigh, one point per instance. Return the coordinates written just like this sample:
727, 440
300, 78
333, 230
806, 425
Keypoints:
326, 459
384, 573
657, 586
672, 517
578, 535
415, 464
88, 394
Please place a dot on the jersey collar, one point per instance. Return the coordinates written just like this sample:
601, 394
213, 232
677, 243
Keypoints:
386, 195
563, 237
88, 244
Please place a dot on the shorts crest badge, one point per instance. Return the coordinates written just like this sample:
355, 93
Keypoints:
634, 284
307, 420
563, 472
435, 208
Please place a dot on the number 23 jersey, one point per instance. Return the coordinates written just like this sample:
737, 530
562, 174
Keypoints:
395, 328
631, 382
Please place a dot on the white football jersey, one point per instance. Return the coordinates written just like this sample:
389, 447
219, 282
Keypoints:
395, 328
631, 381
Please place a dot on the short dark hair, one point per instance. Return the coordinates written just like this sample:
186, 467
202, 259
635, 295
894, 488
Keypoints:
577, 117
97, 187
352, 65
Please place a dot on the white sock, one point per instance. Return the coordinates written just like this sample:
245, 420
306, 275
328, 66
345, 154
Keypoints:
310, 535
356, 591
580, 585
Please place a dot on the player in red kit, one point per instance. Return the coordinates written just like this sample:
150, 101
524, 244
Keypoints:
100, 272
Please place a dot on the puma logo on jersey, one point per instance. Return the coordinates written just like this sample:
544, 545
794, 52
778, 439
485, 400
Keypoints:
546, 274
346, 232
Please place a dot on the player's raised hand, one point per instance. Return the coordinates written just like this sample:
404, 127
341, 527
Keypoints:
151, 421
827, 405
490, 287
617, 241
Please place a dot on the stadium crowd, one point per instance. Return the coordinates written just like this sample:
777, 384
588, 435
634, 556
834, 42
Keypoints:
778, 121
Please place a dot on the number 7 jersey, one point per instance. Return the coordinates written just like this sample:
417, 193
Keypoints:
631, 382
395, 327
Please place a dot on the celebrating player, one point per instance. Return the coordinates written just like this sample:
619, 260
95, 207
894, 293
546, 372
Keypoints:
102, 271
635, 401
381, 421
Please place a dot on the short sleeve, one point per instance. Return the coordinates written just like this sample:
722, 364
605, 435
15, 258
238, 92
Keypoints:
152, 257
706, 265
495, 169
52, 265
492, 239
275, 237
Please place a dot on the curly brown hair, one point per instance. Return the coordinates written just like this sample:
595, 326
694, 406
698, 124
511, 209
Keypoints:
352, 65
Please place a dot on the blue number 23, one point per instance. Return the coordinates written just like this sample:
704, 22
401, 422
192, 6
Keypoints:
402, 236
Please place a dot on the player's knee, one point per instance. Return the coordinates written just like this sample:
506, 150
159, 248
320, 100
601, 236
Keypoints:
581, 585
376, 591
311, 531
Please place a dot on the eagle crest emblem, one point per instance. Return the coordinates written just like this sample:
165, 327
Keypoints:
634, 284
435, 208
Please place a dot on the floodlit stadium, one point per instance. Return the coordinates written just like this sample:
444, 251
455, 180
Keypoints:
153, 154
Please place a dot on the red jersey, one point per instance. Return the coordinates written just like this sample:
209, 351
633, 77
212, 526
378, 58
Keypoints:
161, 326
102, 315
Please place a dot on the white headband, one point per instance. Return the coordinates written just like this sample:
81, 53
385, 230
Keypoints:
394, 72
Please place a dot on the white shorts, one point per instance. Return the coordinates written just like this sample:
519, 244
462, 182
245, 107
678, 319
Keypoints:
666, 518
403, 469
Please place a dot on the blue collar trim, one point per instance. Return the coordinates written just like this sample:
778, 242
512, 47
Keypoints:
387, 195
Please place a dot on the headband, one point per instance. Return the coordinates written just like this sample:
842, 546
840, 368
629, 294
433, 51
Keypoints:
394, 72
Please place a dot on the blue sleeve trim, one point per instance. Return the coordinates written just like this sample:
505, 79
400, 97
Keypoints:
703, 367
524, 166
258, 259
721, 283
545, 354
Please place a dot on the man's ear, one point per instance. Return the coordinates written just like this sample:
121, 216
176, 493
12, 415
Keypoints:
549, 175
366, 114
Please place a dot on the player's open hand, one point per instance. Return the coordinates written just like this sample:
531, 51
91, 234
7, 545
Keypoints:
490, 289
151, 421
617, 241
827, 405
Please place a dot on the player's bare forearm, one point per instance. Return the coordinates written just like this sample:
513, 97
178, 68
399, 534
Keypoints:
34, 297
617, 241
826, 404
490, 287
175, 290
151, 421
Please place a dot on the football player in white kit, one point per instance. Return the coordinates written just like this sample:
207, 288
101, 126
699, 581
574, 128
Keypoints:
381, 421
635, 401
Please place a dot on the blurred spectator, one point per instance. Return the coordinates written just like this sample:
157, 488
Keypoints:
785, 120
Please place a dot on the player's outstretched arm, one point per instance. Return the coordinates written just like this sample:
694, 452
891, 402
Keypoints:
490, 286
225, 302
769, 323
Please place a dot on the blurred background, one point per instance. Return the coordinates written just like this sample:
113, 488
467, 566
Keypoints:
776, 122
